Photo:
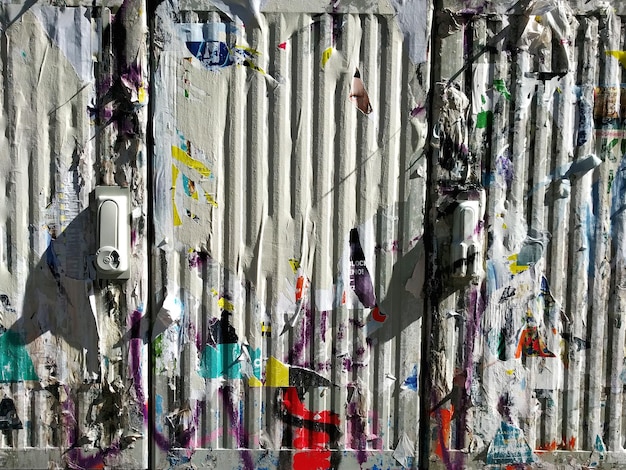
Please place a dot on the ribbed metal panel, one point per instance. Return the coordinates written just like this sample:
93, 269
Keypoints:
295, 169
67, 356
535, 346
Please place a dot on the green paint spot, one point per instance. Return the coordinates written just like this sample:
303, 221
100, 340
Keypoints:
612, 144
500, 86
221, 361
157, 344
483, 100
15, 363
484, 119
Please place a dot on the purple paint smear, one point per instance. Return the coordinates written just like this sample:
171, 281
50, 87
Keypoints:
296, 356
323, 322
240, 435
198, 260
356, 425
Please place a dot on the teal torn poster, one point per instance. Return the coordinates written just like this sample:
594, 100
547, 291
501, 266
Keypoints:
15, 363
230, 361
509, 447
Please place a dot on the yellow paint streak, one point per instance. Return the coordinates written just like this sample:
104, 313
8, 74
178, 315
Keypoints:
225, 305
177, 220
247, 49
180, 155
141, 95
210, 199
326, 56
619, 55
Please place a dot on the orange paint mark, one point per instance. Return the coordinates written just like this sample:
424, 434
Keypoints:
312, 460
532, 345
301, 285
571, 445
445, 428
551, 446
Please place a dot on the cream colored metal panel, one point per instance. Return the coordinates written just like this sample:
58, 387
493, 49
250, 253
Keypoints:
289, 201
72, 370
540, 375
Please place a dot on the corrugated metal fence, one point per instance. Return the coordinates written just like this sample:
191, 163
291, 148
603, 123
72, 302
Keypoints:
370, 246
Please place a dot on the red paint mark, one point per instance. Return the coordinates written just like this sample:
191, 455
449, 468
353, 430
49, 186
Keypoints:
283, 45
306, 439
313, 428
571, 445
312, 460
445, 427
377, 315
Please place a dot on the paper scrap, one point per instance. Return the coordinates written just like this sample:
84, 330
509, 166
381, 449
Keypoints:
404, 451
358, 94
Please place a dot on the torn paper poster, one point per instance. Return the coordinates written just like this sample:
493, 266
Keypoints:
358, 94
248, 11
214, 46
15, 362
278, 374
301, 300
582, 166
509, 447
71, 31
598, 454
171, 311
411, 382
547, 21
230, 361
404, 452
360, 279
412, 19
450, 133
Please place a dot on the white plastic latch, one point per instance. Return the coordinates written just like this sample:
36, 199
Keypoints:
466, 249
113, 236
